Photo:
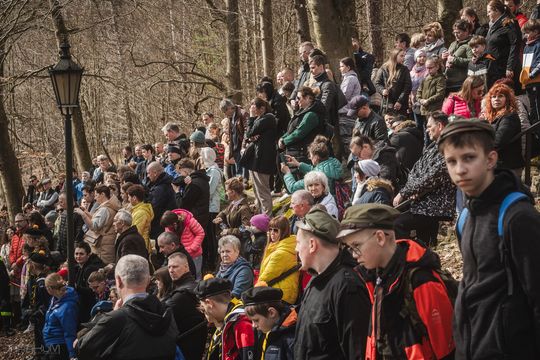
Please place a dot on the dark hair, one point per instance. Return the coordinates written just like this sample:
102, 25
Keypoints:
469, 11
267, 88
281, 223
162, 274
307, 91
478, 40
288, 86
318, 147
317, 60
98, 275
185, 163
148, 147
360, 140
260, 103
349, 62
36, 218
236, 184
357, 169
103, 189
171, 219
532, 25
208, 113
126, 186
472, 139
129, 176
128, 149
89, 187
136, 191
175, 128
439, 117
262, 309
85, 246
463, 25
404, 37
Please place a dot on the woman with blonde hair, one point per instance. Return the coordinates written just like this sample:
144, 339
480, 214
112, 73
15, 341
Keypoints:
434, 39
393, 82
467, 102
501, 113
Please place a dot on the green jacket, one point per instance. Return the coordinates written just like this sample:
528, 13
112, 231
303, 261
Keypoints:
432, 89
331, 167
309, 122
462, 53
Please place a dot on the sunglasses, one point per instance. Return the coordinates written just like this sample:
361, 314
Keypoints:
273, 230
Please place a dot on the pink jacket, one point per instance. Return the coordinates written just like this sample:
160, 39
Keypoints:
457, 106
193, 234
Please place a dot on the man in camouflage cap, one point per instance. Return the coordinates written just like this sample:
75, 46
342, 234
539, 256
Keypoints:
403, 279
334, 313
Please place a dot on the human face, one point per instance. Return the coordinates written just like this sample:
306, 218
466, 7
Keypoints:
126, 154
206, 119
166, 248
314, 159
262, 323
118, 224
170, 135
103, 164
492, 14
20, 222
343, 68
433, 129
432, 67
401, 57
147, 155
132, 200
159, 147
138, 151
460, 34
88, 196
315, 69
304, 248
85, 176
152, 175
364, 247
81, 256
430, 38
498, 101
300, 208
316, 189
100, 197
229, 112
400, 44
172, 156
470, 168
477, 93
231, 194
98, 287
478, 50
512, 6
177, 268
274, 234
468, 18
366, 153
363, 112
279, 78
304, 53
228, 254
261, 95
303, 101
421, 60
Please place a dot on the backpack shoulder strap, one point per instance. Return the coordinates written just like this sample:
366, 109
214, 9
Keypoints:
461, 222
508, 201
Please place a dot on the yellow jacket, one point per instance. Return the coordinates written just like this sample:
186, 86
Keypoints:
278, 258
142, 215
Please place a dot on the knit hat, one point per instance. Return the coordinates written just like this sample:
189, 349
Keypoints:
419, 53
197, 137
260, 221
208, 156
370, 168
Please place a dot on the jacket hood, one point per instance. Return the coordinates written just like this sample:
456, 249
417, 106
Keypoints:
200, 174
69, 297
149, 314
287, 245
374, 183
414, 131
113, 203
186, 215
146, 207
416, 255
131, 230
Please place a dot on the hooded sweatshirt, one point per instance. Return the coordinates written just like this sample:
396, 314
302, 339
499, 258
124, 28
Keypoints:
143, 214
61, 321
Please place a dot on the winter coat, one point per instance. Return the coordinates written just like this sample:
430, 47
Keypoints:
215, 176
364, 66
303, 76
504, 43
234, 216
506, 128
130, 242
195, 197
265, 154
61, 233
432, 89
530, 74
385, 156
86, 296
489, 322
430, 182
373, 127
481, 67
46, 201
458, 106
181, 249
334, 314
331, 167
396, 329
142, 215
279, 257
141, 329
457, 72
141, 170
280, 340
192, 234
236, 129
61, 321
376, 190
102, 225
436, 48
409, 143
329, 203
15, 252
305, 125
399, 89
161, 197
240, 275
279, 105
350, 86
329, 96
418, 73
184, 305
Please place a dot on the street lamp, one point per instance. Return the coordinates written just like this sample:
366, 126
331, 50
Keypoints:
66, 79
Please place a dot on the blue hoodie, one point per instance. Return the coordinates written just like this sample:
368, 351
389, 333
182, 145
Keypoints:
61, 321
240, 275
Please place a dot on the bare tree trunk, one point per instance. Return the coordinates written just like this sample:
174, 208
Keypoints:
233, 51
303, 20
9, 165
333, 27
375, 29
82, 152
267, 38
448, 13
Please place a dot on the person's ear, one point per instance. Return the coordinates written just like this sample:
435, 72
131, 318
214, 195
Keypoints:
492, 158
273, 313
119, 283
313, 245
381, 238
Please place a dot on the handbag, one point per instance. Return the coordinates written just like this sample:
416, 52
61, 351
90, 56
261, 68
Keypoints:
92, 237
247, 158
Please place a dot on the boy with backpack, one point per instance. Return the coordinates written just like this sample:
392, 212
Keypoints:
497, 309
412, 297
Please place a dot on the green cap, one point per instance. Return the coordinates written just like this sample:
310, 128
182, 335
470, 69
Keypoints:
321, 224
366, 216
467, 125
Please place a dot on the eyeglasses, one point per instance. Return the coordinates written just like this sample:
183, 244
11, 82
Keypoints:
352, 249
273, 230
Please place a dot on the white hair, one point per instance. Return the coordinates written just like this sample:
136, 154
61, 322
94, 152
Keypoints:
125, 217
155, 166
230, 239
316, 177
303, 195
133, 270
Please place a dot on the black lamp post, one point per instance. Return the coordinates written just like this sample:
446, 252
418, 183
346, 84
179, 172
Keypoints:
66, 78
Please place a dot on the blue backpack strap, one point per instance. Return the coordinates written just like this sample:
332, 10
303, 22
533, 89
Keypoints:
508, 201
463, 215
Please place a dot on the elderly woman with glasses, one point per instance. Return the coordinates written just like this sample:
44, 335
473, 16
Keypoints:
279, 264
316, 183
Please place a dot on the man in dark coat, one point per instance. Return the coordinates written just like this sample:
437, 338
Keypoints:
185, 308
140, 327
237, 127
192, 191
408, 141
148, 157
160, 195
334, 313
61, 234
368, 122
169, 244
304, 50
129, 240
87, 263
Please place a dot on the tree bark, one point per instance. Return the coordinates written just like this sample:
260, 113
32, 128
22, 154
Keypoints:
448, 13
333, 28
302, 20
233, 52
373, 8
9, 165
82, 152
267, 38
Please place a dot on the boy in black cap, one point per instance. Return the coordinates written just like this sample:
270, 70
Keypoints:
234, 336
274, 320
500, 286
412, 312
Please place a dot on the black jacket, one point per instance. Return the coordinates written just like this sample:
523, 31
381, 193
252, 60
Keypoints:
489, 323
196, 197
334, 314
161, 197
408, 143
264, 160
506, 128
182, 249
303, 76
184, 305
61, 235
86, 296
399, 89
283, 117
280, 341
385, 156
373, 127
130, 242
328, 96
141, 329
364, 67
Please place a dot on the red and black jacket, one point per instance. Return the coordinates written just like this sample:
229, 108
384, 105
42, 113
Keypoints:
393, 333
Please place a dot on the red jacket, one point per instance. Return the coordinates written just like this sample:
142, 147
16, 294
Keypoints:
192, 235
457, 106
398, 334
15, 252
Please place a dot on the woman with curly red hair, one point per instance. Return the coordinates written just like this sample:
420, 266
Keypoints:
501, 112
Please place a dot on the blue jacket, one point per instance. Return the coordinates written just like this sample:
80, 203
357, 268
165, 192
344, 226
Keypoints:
61, 321
240, 275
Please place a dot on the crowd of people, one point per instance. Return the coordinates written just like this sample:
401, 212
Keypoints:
332, 256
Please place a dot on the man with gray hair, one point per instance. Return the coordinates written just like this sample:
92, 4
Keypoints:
238, 120
160, 195
301, 203
104, 165
129, 240
168, 243
139, 327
